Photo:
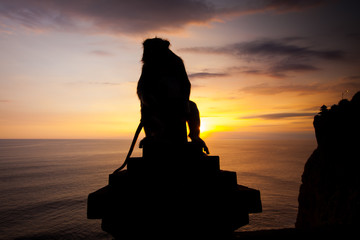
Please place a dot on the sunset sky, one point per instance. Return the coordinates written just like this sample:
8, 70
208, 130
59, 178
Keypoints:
258, 68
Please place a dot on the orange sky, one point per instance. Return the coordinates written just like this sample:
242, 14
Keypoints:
259, 69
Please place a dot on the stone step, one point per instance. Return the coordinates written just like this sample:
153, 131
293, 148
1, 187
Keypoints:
107, 199
249, 197
204, 164
188, 179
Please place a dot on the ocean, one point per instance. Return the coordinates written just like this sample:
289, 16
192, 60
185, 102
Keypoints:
44, 184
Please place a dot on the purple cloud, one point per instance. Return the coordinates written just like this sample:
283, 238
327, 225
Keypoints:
133, 17
278, 56
268, 48
350, 83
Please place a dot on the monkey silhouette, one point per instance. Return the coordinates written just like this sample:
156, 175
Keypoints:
164, 91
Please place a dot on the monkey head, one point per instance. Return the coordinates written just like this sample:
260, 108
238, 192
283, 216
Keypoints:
155, 49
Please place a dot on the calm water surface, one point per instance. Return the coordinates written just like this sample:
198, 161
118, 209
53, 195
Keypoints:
44, 183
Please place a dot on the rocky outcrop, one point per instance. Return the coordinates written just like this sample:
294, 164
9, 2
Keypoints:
330, 190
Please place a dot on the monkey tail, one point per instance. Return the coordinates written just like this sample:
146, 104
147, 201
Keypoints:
138, 130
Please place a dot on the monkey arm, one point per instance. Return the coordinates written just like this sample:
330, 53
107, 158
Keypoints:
194, 125
193, 120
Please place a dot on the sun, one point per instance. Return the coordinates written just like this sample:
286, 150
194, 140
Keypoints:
203, 128
204, 125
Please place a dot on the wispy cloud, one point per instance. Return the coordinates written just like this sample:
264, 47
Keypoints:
269, 48
353, 78
347, 83
101, 53
282, 68
136, 16
105, 83
276, 56
267, 89
273, 116
206, 75
285, 6
96, 83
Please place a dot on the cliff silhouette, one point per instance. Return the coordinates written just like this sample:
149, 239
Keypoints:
330, 191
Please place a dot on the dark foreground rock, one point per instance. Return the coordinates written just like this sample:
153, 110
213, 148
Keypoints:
330, 191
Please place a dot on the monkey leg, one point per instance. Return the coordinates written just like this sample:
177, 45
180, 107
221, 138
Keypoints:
166, 123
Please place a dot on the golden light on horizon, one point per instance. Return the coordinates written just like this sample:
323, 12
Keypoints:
210, 125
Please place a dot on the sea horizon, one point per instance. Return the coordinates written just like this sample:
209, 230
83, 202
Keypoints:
44, 183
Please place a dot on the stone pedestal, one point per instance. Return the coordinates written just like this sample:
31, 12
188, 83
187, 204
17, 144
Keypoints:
168, 192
